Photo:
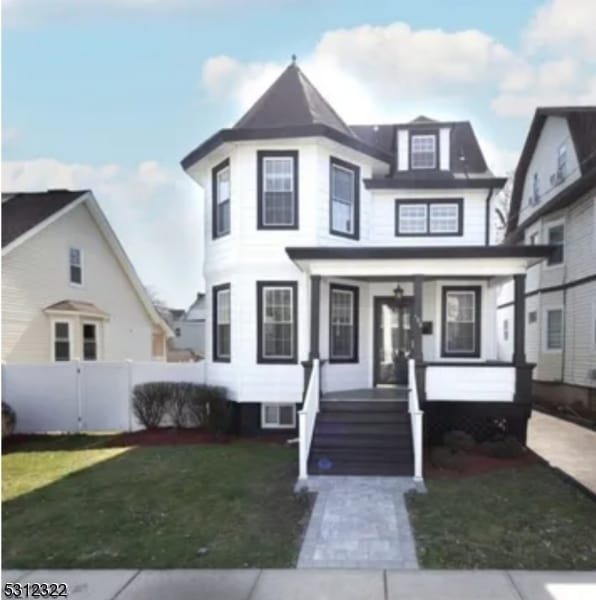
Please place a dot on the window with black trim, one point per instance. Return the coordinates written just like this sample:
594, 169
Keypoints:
221, 199
222, 323
440, 217
556, 238
277, 321
461, 322
62, 343
343, 323
277, 187
344, 192
75, 257
423, 151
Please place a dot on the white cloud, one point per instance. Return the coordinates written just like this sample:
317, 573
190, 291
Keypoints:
565, 24
501, 161
154, 210
10, 136
377, 73
28, 12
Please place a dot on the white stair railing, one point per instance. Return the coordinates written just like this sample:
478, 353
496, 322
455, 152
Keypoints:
415, 419
307, 418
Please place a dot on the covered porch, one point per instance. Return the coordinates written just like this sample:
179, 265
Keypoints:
384, 320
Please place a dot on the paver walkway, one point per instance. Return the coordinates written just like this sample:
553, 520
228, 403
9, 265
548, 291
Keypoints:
569, 447
313, 584
359, 522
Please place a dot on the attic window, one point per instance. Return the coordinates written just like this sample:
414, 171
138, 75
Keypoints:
423, 151
76, 266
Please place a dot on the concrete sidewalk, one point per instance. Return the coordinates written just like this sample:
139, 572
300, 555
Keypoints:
316, 584
564, 445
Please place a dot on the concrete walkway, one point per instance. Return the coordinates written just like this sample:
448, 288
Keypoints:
316, 585
359, 522
565, 445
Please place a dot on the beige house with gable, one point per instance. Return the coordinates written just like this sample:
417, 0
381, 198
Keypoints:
69, 290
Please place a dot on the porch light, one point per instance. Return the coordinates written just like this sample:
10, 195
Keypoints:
398, 293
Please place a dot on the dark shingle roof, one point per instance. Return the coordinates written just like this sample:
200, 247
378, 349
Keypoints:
463, 141
582, 125
291, 107
292, 100
21, 211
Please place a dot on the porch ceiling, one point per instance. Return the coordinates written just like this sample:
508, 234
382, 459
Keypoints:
435, 261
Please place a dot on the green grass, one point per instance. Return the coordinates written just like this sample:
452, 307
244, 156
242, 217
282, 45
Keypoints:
76, 504
525, 518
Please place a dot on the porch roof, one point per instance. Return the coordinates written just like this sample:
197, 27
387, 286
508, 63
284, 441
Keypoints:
369, 261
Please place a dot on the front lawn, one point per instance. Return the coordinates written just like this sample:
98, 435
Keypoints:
526, 518
81, 504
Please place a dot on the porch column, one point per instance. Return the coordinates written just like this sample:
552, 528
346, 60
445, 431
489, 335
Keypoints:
416, 326
315, 319
523, 370
519, 319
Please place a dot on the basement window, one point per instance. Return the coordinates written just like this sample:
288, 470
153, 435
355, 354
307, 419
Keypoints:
278, 416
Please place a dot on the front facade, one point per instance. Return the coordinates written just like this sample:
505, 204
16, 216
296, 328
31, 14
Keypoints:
554, 201
68, 290
357, 246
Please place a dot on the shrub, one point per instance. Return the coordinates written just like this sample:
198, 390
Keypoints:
442, 457
150, 402
508, 447
9, 419
219, 417
459, 440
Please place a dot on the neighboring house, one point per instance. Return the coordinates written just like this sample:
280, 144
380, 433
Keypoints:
356, 246
68, 289
554, 202
188, 342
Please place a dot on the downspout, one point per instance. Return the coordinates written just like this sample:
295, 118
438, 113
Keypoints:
487, 217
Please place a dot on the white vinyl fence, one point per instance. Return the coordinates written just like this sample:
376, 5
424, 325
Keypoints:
84, 396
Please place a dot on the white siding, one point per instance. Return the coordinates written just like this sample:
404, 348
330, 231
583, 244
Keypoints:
403, 144
36, 274
489, 384
445, 148
544, 163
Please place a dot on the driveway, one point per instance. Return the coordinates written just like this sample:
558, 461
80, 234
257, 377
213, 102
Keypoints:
569, 447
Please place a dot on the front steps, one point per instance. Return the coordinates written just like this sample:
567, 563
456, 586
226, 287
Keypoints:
362, 438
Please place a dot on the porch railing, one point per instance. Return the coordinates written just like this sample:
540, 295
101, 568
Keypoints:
416, 419
307, 418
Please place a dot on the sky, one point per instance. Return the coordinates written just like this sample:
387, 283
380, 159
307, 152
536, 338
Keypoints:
111, 94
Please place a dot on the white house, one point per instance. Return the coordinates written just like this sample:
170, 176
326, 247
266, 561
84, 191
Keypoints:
554, 202
189, 329
333, 253
68, 289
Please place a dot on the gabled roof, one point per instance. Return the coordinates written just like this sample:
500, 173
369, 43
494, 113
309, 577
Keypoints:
582, 126
25, 214
22, 211
291, 107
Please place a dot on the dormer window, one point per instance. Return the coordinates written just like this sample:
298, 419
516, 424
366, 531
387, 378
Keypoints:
277, 182
423, 151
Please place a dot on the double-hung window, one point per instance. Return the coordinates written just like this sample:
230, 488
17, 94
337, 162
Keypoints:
554, 330
343, 323
442, 217
277, 183
221, 199
89, 341
75, 258
344, 195
423, 151
461, 322
221, 323
62, 341
556, 238
277, 322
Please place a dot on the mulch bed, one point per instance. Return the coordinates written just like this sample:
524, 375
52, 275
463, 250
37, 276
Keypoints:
476, 464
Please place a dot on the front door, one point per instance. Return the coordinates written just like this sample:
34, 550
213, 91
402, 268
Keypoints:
392, 340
